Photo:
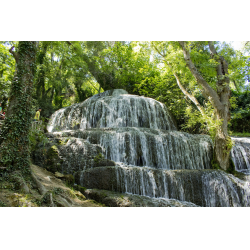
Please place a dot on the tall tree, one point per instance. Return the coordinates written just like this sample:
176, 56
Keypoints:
216, 92
14, 136
40, 83
219, 99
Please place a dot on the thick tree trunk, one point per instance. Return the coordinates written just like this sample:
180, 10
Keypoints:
222, 140
14, 137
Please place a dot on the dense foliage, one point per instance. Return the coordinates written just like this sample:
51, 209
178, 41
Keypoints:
69, 72
240, 112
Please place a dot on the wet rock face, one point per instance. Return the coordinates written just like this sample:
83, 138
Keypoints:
69, 155
159, 149
208, 188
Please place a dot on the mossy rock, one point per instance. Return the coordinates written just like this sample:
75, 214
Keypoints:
98, 158
231, 169
80, 188
69, 178
53, 161
103, 162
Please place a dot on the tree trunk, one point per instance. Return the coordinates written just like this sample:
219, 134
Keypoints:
14, 137
40, 90
222, 140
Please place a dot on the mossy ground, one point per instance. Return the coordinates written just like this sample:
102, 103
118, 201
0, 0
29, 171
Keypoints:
63, 194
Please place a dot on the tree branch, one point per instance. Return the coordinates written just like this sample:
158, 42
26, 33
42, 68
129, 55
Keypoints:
191, 97
209, 91
223, 80
92, 84
184, 91
15, 54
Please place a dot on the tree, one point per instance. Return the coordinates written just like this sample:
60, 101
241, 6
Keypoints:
219, 99
7, 69
209, 77
14, 136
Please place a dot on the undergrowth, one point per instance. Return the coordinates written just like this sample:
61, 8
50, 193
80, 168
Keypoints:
2, 204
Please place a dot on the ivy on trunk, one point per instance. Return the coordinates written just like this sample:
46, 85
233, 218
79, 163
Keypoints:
14, 136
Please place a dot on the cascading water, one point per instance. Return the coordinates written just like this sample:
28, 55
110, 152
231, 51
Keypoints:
151, 158
240, 154
113, 109
160, 149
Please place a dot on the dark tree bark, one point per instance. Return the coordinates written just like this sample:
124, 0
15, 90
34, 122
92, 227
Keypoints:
40, 89
14, 137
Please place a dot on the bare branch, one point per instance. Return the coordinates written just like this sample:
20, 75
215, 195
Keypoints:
92, 84
212, 48
223, 80
191, 97
15, 54
69, 43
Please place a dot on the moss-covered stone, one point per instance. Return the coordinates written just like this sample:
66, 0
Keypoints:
69, 179
80, 188
231, 169
53, 161
115, 199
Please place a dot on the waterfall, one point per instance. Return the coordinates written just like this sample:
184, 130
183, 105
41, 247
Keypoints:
240, 154
148, 147
143, 153
210, 188
116, 110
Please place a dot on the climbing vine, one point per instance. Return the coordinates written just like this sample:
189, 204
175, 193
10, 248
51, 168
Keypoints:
14, 136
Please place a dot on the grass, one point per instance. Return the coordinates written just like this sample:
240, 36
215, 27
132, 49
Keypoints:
246, 134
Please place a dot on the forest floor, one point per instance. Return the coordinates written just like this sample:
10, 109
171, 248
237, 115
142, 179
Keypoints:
58, 193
